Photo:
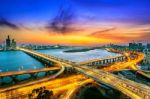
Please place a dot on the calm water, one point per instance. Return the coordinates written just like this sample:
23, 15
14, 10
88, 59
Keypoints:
17, 60
79, 56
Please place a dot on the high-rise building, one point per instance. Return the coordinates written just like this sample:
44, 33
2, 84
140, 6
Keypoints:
8, 42
13, 44
148, 46
136, 46
147, 57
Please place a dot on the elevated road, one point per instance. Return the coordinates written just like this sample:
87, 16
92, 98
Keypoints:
35, 81
102, 59
4, 74
143, 74
46, 57
129, 64
59, 86
129, 88
73, 90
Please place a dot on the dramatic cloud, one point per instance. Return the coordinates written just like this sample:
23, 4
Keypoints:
136, 19
63, 21
4, 22
102, 31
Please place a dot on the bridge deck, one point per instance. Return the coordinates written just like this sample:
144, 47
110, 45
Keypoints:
130, 88
3, 74
100, 59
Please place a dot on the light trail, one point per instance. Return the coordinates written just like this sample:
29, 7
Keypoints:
123, 85
130, 64
57, 85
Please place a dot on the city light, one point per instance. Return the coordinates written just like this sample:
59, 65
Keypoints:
74, 49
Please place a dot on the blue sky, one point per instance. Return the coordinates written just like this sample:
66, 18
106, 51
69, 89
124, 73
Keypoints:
18, 14
136, 11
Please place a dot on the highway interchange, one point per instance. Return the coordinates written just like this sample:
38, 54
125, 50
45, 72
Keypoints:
126, 86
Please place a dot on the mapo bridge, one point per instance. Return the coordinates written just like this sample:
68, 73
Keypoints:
129, 88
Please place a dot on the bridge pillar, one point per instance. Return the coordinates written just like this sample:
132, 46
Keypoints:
33, 75
114, 60
103, 61
99, 62
47, 73
109, 61
117, 59
14, 79
92, 63
121, 58
106, 61
1, 80
124, 58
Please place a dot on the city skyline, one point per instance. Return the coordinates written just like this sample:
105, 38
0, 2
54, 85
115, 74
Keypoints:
75, 22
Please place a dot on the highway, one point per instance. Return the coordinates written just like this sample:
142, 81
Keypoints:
94, 60
129, 64
4, 74
35, 81
129, 88
46, 57
58, 86
115, 67
71, 92
143, 74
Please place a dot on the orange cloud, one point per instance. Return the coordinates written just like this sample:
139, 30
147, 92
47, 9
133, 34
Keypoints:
86, 37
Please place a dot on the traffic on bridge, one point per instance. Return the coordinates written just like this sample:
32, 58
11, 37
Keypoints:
131, 89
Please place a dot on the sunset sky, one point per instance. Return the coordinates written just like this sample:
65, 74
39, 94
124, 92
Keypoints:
75, 22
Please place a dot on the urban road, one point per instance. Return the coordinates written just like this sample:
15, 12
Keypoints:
129, 88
